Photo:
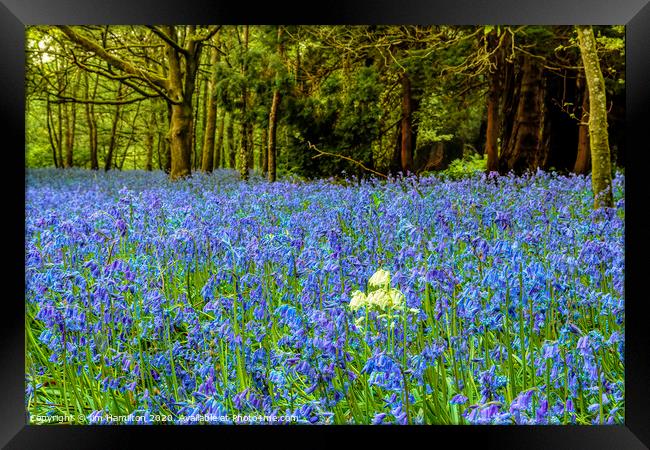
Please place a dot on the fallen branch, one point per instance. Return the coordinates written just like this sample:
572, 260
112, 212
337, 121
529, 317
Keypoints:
347, 158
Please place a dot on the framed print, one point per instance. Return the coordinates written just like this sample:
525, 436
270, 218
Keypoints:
367, 219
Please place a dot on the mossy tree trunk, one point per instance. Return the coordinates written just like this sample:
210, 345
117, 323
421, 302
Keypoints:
230, 137
250, 133
211, 115
271, 164
244, 158
601, 168
181, 85
218, 148
263, 154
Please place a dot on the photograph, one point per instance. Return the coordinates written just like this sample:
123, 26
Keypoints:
325, 224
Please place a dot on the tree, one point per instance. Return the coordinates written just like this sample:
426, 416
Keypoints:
601, 171
496, 42
525, 147
108, 161
70, 121
151, 123
393, 98
230, 136
177, 87
273, 117
244, 149
406, 149
211, 118
218, 148
92, 123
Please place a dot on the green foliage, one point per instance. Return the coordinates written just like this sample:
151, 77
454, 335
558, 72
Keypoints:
440, 118
612, 39
432, 126
342, 118
38, 156
466, 167
611, 51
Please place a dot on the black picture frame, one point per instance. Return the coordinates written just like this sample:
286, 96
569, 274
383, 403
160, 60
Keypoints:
635, 14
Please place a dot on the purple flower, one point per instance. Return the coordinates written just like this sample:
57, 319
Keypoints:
458, 399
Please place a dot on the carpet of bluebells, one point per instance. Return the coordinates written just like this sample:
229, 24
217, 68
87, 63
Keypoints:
493, 300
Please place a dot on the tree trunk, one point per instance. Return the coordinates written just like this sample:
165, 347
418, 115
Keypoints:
69, 134
180, 133
601, 170
271, 165
243, 152
583, 160
526, 148
149, 142
250, 134
160, 139
128, 143
167, 148
273, 126
70, 117
406, 126
69, 121
218, 148
299, 79
149, 164
230, 135
196, 158
59, 133
243, 149
92, 123
491, 144
108, 161
92, 136
495, 80
159, 142
54, 143
181, 84
211, 116
264, 153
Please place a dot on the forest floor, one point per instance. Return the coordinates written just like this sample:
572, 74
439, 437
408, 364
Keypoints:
212, 300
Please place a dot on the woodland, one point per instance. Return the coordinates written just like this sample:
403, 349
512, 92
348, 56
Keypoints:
325, 224
319, 101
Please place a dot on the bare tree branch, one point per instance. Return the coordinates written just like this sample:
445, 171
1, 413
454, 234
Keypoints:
151, 78
126, 80
67, 99
347, 158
